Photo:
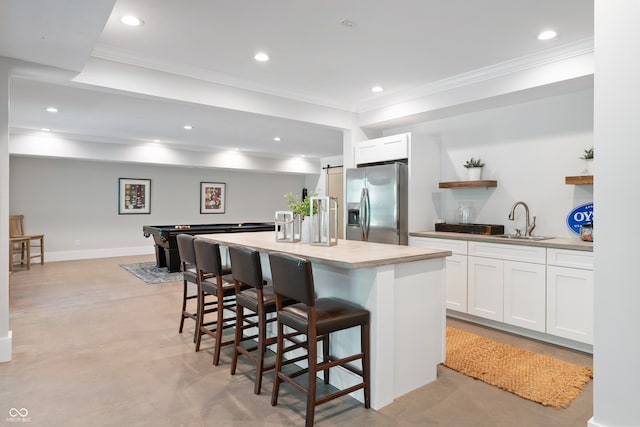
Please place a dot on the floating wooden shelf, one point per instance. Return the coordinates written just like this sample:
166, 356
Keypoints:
468, 184
579, 180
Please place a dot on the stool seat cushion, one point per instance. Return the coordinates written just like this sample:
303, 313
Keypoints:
249, 299
210, 286
332, 315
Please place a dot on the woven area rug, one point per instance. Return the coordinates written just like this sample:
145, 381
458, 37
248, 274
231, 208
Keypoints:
543, 379
151, 274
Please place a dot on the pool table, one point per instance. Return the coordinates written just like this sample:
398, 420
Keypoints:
166, 244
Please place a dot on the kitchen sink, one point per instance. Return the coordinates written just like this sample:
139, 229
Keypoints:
516, 237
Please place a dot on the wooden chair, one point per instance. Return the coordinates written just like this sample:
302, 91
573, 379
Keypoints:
258, 299
21, 243
316, 319
214, 281
187, 253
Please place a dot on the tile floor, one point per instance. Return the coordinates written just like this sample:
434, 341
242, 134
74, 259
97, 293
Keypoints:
95, 346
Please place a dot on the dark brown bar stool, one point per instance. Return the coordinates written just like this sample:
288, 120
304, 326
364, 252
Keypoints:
258, 298
189, 275
293, 279
214, 281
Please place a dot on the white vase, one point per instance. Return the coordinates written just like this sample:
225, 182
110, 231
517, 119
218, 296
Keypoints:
588, 166
305, 230
474, 174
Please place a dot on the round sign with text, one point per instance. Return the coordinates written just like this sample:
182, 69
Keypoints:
582, 214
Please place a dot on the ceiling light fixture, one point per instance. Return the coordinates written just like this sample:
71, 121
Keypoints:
547, 35
261, 57
45, 129
377, 89
132, 21
52, 109
277, 139
188, 127
156, 140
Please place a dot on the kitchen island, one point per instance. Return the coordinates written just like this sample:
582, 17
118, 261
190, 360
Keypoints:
402, 286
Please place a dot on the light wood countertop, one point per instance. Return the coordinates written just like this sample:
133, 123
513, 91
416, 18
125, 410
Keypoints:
556, 242
348, 254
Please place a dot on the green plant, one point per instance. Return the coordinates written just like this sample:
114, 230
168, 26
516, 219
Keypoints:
588, 154
298, 206
472, 163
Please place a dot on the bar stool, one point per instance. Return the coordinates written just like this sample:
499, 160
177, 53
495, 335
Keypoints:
293, 278
258, 298
189, 275
214, 281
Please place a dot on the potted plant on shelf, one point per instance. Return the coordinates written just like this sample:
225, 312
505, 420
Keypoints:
474, 169
588, 158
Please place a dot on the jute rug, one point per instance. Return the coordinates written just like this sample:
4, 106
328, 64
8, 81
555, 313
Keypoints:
151, 274
533, 376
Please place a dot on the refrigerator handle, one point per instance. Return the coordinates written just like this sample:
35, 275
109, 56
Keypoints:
364, 214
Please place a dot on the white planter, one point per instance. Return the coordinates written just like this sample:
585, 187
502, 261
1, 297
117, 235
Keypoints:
305, 230
588, 166
474, 174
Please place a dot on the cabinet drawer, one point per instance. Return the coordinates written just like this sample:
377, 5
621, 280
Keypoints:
509, 252
458, 247
569, 258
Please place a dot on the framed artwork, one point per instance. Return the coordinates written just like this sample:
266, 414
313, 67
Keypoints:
134, 196
212, 197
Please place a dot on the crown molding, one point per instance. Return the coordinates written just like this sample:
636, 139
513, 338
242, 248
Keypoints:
512, 66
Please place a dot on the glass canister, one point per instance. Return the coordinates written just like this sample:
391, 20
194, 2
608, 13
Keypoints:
586, 232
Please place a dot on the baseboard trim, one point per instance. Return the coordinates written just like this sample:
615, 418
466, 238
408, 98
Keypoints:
98, 253
585, 348
5, 347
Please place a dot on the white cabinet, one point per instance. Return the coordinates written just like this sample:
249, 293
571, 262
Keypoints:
570, 294
456, 268
388, 148
507, 284
486, 288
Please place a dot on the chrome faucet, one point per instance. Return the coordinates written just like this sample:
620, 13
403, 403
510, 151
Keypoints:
528, 227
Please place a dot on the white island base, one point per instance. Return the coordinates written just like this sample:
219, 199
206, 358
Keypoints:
403, 288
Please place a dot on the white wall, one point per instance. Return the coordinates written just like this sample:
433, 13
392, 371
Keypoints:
71, 200
528, 148
616, 399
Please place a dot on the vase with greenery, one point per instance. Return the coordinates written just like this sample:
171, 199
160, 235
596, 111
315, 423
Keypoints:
474, 169
588, 158
301, 209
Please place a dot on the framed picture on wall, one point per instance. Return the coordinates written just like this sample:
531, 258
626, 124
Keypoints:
134, 196
212, 197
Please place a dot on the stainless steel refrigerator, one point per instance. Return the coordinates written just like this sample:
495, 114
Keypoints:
376, 202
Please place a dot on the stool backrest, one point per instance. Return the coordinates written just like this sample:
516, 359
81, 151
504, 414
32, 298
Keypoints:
245, 266
186, 249
208, 256
292, 277
16, 225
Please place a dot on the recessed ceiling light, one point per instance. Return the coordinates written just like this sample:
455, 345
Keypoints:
132, 21
547, 35
156, 140
261, 57
276, 139
52, 109
188, 127
45, 129
377, 89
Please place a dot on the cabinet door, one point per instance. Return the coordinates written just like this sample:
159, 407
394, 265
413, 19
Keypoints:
570, 303
394, 147
486, 285
524, 295
456, 268
456, 275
